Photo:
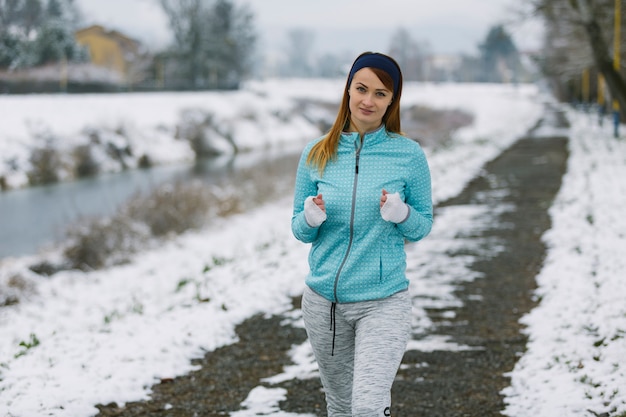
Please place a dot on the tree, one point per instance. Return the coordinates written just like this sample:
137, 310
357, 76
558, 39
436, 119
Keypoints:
590, 19
231, 40
300, 43
9, 12
411, 56
213, 42
13, 34
332, 65
32, 16
55, 42
54, 9
499, 56
33, 34
9, 47
578, 37
185, 22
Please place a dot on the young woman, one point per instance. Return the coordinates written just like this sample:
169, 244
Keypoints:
361, 191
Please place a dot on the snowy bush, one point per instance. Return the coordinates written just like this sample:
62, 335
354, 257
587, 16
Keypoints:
13, 287
172, 208
168, 210
85, 165
103, 242
144, 161
200, 128
45, 166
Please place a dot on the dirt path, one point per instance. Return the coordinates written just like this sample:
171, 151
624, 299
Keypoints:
468, 383
526, 177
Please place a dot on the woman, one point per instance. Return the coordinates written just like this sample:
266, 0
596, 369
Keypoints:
361, 191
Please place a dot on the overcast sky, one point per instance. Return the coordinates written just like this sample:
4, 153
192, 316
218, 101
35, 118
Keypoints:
449, 26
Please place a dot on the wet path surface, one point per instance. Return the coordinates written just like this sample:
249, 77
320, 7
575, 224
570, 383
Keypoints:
518, 187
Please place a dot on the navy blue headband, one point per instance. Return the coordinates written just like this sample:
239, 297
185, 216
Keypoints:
380, 61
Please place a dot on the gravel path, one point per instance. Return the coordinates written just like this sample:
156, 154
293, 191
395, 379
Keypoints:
526, 177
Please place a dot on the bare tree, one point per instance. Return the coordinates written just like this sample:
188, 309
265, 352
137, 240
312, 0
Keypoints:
299, 45
213, 42
590, 18
413, 57
578, 35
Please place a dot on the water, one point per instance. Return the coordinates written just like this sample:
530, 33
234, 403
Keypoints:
35, 218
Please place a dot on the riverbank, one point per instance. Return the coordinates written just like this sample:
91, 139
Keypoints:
55, 138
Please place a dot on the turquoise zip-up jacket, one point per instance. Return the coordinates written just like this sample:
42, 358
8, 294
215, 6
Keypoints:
355, 254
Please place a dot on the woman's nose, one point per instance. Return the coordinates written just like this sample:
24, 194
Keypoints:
368, 99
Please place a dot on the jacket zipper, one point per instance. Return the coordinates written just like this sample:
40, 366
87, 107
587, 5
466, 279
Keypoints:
358, 145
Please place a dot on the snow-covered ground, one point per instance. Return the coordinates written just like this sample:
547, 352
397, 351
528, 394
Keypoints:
576, 358
121, 129
80, 339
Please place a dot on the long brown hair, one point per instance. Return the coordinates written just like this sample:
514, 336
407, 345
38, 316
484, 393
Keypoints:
326, 149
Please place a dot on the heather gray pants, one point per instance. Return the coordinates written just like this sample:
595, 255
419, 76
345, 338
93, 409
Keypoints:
358, 359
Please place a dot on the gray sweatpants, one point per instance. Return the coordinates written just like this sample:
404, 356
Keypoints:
358, 359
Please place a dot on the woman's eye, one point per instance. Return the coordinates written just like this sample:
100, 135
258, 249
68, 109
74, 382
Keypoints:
360, 89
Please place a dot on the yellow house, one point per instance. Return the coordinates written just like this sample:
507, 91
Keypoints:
109, 49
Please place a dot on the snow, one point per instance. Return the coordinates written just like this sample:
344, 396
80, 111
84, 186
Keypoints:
86, 338
146, 123
575, 358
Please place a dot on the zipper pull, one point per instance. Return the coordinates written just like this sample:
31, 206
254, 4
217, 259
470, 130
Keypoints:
358, 154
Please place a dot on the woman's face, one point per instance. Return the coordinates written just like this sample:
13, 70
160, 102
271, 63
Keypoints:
369, 99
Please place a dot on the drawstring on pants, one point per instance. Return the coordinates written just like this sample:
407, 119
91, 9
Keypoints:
333, 326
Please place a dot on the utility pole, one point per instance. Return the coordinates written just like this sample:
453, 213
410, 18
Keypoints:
601, 100
585, 89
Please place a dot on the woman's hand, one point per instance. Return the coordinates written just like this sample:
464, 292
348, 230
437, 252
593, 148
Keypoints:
315, 210
319, 201
383, 198
392, 208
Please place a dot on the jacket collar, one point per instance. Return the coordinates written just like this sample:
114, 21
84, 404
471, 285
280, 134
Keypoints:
370, 138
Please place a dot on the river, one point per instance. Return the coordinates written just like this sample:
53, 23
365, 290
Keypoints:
35, 218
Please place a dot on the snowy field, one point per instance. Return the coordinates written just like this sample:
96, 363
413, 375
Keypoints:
82, 339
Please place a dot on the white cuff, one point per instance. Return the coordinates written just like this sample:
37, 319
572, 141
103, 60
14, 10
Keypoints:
313, 215
394, 210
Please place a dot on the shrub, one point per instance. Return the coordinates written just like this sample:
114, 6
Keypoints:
119, 152
97, 243
168, 210
46, 164
203, 133
144, 161
176, 208
12, 289
84, 163
193, 127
